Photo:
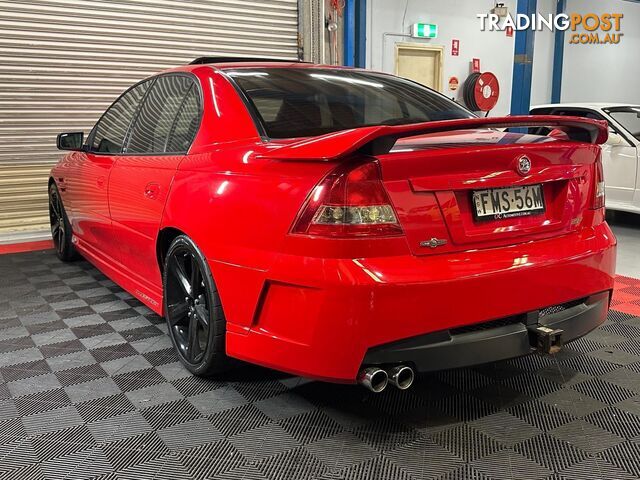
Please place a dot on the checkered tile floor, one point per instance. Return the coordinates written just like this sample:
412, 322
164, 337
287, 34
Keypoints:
90, 388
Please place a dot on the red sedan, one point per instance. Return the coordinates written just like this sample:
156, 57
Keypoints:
337, 223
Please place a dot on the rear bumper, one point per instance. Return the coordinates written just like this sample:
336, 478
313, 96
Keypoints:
514, 338
325, 318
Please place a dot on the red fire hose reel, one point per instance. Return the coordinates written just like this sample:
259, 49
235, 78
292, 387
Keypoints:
481, 91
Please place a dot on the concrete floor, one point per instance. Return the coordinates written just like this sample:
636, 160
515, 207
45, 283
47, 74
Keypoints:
626, 226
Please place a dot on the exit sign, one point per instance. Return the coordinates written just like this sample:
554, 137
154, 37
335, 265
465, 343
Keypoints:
424, 30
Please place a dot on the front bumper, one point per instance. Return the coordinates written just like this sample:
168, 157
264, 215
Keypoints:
492, 341
324, 318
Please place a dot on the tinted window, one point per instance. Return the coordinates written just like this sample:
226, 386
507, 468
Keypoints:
629, 118
112, 127
567, 113
579, 113
151, 128
186, 123
580, 135
311, 101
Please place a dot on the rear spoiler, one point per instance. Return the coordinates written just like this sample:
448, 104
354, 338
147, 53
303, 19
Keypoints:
378, 140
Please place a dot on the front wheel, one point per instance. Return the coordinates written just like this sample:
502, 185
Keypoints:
60, 227
192, 309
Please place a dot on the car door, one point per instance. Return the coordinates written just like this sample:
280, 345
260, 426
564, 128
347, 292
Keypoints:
160, 136
619, 161
89, 174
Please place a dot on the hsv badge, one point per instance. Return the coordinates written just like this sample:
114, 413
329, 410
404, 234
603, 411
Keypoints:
524, 165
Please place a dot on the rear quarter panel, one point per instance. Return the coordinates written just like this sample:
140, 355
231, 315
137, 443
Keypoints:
238, 209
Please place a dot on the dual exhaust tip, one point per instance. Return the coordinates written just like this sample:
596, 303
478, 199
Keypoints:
376, 379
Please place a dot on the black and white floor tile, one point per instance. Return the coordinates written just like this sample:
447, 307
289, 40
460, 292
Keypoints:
91, 388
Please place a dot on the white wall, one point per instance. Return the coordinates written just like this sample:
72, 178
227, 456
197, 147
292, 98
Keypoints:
591, 73
543, 49
604, 73
455, 19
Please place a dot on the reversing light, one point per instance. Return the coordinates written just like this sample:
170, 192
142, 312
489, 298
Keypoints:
349, 202
368, 215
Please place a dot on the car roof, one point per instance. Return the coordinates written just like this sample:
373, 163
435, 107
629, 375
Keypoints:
591, 105
237, 65
296, 65
262, 64
229, 59
253, 62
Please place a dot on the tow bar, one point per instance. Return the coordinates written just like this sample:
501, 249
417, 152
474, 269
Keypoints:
545, 339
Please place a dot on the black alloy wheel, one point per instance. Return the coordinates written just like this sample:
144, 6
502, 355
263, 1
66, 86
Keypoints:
60, 227
187, 309
192, 309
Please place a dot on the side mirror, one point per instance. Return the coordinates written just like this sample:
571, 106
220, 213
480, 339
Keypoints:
70, 141
615, 139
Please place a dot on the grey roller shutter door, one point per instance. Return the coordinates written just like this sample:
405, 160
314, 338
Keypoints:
62, 62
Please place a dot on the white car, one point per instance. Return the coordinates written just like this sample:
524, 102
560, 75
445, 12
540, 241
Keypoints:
621, 153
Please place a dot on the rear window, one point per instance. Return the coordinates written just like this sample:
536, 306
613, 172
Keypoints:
305, 102
565, 112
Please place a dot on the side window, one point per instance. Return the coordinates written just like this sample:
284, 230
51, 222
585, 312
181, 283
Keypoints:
112, 127
153, 124
186, 124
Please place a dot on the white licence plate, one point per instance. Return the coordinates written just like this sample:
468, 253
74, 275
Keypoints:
500, 203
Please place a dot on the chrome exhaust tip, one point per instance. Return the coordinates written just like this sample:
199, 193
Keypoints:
401, 376
373, 378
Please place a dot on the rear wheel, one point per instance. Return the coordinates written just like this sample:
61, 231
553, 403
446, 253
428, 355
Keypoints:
60, 226
192, 309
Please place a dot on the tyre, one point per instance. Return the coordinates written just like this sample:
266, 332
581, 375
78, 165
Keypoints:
193, 311
60, 227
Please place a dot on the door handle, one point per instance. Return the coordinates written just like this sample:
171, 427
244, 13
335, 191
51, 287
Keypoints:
152, 190
101, 181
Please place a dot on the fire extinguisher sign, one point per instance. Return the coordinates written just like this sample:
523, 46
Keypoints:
455, 47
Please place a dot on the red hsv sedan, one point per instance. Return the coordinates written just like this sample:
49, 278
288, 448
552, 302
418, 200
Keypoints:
337, 223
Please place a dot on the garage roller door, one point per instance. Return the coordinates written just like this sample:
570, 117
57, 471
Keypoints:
62, 62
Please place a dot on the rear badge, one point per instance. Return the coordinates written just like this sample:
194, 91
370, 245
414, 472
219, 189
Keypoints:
433, 243
524, 165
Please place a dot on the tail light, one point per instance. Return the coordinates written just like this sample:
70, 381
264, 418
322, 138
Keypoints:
598, 187
349, 202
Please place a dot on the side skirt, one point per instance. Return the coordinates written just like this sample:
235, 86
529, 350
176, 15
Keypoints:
117, 272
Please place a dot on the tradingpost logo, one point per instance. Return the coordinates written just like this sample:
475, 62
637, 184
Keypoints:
585, 28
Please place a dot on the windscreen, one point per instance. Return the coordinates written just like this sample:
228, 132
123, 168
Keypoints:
302, 102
